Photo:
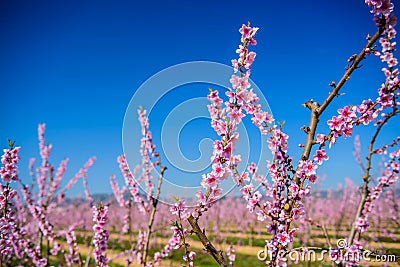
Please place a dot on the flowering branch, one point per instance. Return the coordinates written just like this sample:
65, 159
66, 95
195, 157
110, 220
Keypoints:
100, 238
360, 224
317, 110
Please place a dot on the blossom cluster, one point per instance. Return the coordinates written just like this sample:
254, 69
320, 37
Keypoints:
101, 235
118, 193
380, 7
72, 258
178, 238
289, 184
225, 118
373, 110
80, 174
246, 58
39, 214
139, 247
231, 254
224, 121
49, 196
189, 258
131, 184
9, 159
26, 236
13, 240
147, 151
175, 241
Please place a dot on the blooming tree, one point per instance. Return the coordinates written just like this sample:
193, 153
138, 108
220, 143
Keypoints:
282, 203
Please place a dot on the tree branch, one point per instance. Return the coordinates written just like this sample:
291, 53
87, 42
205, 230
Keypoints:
317, 110
217, 255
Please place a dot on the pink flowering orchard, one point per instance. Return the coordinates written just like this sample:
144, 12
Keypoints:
275, 216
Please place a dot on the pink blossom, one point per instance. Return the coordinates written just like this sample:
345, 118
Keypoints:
362, 224
313, 179
335, 123
100, 238
235, 65
252, 168
9, 159
320, 156
231, 254
384, 7
235, 115
248, 34
283, 238
307, 168
249, 60
179, 208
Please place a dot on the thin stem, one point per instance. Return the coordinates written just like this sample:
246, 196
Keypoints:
328, 240
129, 219
48, 252
89, 253
153, 212
185, 245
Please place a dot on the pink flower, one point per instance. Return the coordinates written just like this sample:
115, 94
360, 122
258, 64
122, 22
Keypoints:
249, 60
179, 208
218, 170
248, 34
192, 254
335, 123
283, 238
395, 166
320, 156
219, 126
252, 168
320, 138
235, 115
347, 114
235, 65
244, 82
231, 254
313, 179
209, 181
245, 31
307, 168
379, 7
362, 224
235, 81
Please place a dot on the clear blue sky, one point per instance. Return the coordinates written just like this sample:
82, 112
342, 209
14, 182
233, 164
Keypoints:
76, 64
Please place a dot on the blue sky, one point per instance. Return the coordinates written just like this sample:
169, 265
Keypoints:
75, 65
